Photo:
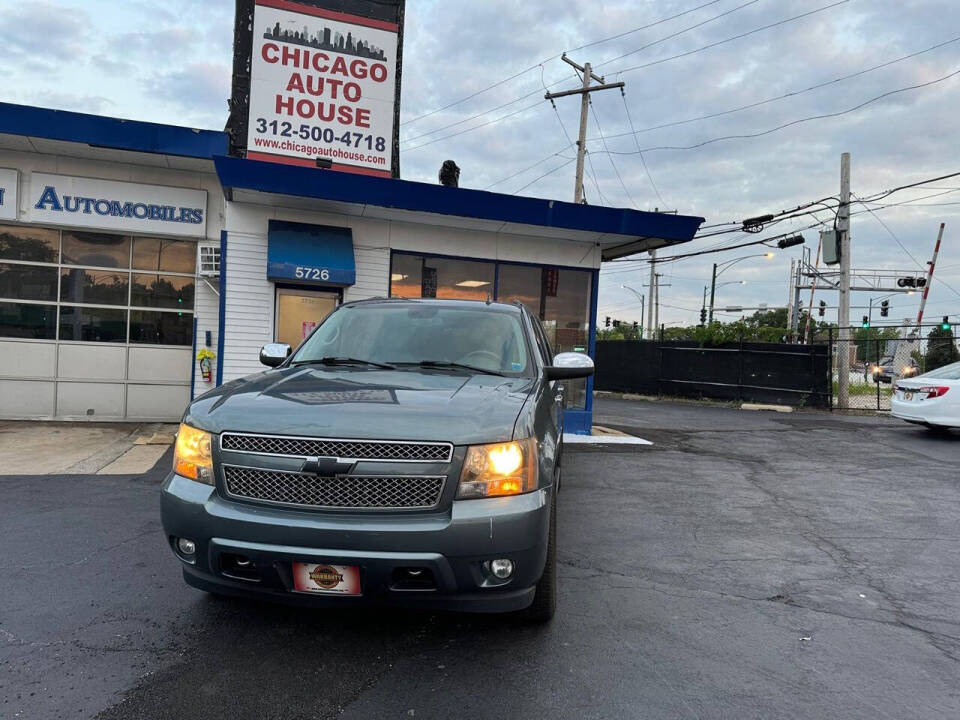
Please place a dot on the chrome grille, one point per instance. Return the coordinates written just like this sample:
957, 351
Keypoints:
346, 449
342, 491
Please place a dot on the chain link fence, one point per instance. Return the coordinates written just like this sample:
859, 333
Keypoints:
880, 356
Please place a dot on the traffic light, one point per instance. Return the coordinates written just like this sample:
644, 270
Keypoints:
616, 323
945, 325
606, 321
790, 241
885, 308
703, 316
865, 323
635, 324
823, 308
917, 282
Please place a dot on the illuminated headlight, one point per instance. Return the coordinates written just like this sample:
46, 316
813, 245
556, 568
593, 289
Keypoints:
192, 456
499, 469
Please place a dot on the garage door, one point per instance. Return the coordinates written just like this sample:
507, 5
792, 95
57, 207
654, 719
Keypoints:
94, 325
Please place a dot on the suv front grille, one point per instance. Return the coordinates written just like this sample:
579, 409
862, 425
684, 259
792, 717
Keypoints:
344, 449
342, 491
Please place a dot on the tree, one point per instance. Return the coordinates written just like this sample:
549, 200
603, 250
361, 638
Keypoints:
872, 343
941, 349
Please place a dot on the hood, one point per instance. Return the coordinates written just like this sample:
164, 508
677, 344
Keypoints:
361, 403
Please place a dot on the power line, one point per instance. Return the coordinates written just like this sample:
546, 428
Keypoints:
731, 39
554, 57
610, 157
750, 106
530, 167
904, 247
643, 160
541, 177
793, 122
477, 127
678, 33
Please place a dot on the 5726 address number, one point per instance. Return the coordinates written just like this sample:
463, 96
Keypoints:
312, 273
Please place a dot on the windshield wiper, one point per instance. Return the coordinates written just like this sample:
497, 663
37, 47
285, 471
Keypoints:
343, 361
444, 365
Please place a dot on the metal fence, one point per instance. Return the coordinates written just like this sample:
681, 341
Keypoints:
784, 373
779, 373
879, 356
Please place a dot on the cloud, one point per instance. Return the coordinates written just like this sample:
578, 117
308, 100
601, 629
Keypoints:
199, 88
41, 34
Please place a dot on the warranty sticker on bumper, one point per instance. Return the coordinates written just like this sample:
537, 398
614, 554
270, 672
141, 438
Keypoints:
326, 579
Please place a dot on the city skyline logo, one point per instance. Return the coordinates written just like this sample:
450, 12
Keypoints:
327, 39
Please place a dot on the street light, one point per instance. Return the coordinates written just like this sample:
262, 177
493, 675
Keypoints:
720, 268
639, 295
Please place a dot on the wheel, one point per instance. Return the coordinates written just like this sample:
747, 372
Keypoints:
544, 604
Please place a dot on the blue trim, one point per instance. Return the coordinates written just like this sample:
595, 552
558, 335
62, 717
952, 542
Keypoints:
193, 359
311, 254
113, 133
280, 179
223, 305
577, 422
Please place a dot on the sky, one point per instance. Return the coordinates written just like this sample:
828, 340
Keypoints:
681, 60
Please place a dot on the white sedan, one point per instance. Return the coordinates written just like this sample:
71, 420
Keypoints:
931, 399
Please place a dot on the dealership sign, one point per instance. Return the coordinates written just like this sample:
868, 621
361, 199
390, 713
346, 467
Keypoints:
109, 205
8, 194
323, 84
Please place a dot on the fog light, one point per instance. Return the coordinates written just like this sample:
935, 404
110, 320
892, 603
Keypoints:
501, 568
187, 547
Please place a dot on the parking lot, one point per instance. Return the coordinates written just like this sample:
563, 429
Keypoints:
745, 565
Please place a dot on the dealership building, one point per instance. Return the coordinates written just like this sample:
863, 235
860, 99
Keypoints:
141, 264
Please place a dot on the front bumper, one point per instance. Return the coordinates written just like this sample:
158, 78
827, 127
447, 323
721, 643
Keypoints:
453, 544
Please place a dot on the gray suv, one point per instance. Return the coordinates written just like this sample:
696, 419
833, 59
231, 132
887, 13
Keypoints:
407, 453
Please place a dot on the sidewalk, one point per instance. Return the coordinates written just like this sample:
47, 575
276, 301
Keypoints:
54, 448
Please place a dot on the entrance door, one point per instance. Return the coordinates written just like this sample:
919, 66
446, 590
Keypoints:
299, 312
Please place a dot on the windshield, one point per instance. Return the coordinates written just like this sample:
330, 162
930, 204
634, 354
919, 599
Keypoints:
399, 334
947, 372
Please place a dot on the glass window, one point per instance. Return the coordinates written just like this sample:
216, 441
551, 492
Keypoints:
523, 283
418, 276
162, 291
96, 249
178, 256
28, 282
93, 324
405, 276
566, 320
161, 328
94, 287
38, 322
31, 244
410, 334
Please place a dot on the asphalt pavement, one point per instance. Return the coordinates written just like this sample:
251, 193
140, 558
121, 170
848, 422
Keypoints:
745, 565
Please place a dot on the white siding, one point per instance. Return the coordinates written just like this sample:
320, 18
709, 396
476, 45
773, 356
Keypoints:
248, 323
208, 318
373, 273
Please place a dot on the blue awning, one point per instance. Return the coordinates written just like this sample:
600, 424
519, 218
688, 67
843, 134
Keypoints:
310, 254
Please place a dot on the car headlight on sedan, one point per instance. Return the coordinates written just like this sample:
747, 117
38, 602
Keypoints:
193, 455
499, 469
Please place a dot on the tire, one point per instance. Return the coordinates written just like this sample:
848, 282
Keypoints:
544, 605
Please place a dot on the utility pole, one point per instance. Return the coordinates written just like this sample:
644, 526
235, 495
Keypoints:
713, 292
656, 300
653, 295
790, 297
843, 313
584, 92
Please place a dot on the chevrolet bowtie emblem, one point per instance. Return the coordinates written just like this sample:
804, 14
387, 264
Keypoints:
325, 466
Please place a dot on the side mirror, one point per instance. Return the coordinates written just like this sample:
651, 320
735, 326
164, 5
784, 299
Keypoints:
274, 354
570, 365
